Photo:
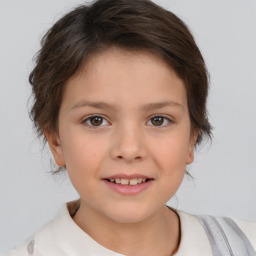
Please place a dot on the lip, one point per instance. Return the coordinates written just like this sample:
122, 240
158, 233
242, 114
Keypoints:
125, 176
128, 189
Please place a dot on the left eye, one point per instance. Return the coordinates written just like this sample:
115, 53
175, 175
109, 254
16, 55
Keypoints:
160, 121
95, 121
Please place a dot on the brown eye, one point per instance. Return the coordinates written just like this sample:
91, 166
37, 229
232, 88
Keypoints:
157, 120
160, 121
95, 121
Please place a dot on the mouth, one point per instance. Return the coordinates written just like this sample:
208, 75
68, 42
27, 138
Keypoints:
129, 182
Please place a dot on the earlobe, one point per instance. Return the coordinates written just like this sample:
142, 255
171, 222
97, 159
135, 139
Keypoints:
55, 146
190, 155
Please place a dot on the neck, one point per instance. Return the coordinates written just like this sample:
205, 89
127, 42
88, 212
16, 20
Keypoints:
158, 234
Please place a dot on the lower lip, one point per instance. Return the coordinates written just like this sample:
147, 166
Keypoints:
128, 189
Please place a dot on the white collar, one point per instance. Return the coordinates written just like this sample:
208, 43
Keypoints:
62, 236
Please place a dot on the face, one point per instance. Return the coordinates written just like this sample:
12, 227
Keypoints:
124, 134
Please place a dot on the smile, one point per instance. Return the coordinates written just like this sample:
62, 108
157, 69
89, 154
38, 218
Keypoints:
131, 182
128, 184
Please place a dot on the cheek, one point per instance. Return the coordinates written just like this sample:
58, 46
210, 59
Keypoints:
83, 167
82, 156
171, 154
172, 166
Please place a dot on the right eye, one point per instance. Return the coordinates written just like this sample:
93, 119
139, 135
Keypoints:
95, 121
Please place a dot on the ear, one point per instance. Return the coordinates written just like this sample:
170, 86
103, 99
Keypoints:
191, 147
55, 146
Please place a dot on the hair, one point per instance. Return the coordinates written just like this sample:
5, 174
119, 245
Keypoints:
138, 25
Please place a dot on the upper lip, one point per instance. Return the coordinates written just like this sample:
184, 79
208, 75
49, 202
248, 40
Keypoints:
129, 177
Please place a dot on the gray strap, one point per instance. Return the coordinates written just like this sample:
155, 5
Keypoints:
218, 240
240, 238
225, 237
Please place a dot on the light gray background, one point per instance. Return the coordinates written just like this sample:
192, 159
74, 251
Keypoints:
224, 172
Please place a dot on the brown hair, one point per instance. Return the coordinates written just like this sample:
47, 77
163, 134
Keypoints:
130, 25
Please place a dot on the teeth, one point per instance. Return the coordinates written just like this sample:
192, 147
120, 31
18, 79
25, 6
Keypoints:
124, 181
139, 180
131, 182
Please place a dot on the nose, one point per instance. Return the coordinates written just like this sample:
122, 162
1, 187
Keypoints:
128, 144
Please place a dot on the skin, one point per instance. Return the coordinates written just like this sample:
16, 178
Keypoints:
126, 142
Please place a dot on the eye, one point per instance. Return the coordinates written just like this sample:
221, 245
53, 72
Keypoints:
160, 120
95, 121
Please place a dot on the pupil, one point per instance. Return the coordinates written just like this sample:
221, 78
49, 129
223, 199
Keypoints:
158, 120
96, 121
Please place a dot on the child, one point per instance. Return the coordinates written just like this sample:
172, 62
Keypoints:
120, 91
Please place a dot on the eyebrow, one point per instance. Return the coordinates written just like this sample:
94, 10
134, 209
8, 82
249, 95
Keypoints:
104, 105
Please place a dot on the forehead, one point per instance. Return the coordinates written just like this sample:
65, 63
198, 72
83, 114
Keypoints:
118, 58
115, 75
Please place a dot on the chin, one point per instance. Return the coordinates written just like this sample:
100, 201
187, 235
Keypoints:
129, 214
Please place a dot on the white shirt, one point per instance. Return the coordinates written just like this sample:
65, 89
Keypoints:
63, 237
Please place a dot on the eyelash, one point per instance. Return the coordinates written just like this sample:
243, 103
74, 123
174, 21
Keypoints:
169, 120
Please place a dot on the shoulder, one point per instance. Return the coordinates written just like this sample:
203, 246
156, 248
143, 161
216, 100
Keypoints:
249, 229
227, 234
191, 224
27, 248
45, 239
30, 246
62, 237
191, 244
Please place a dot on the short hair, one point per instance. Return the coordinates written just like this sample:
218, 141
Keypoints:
130, 25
